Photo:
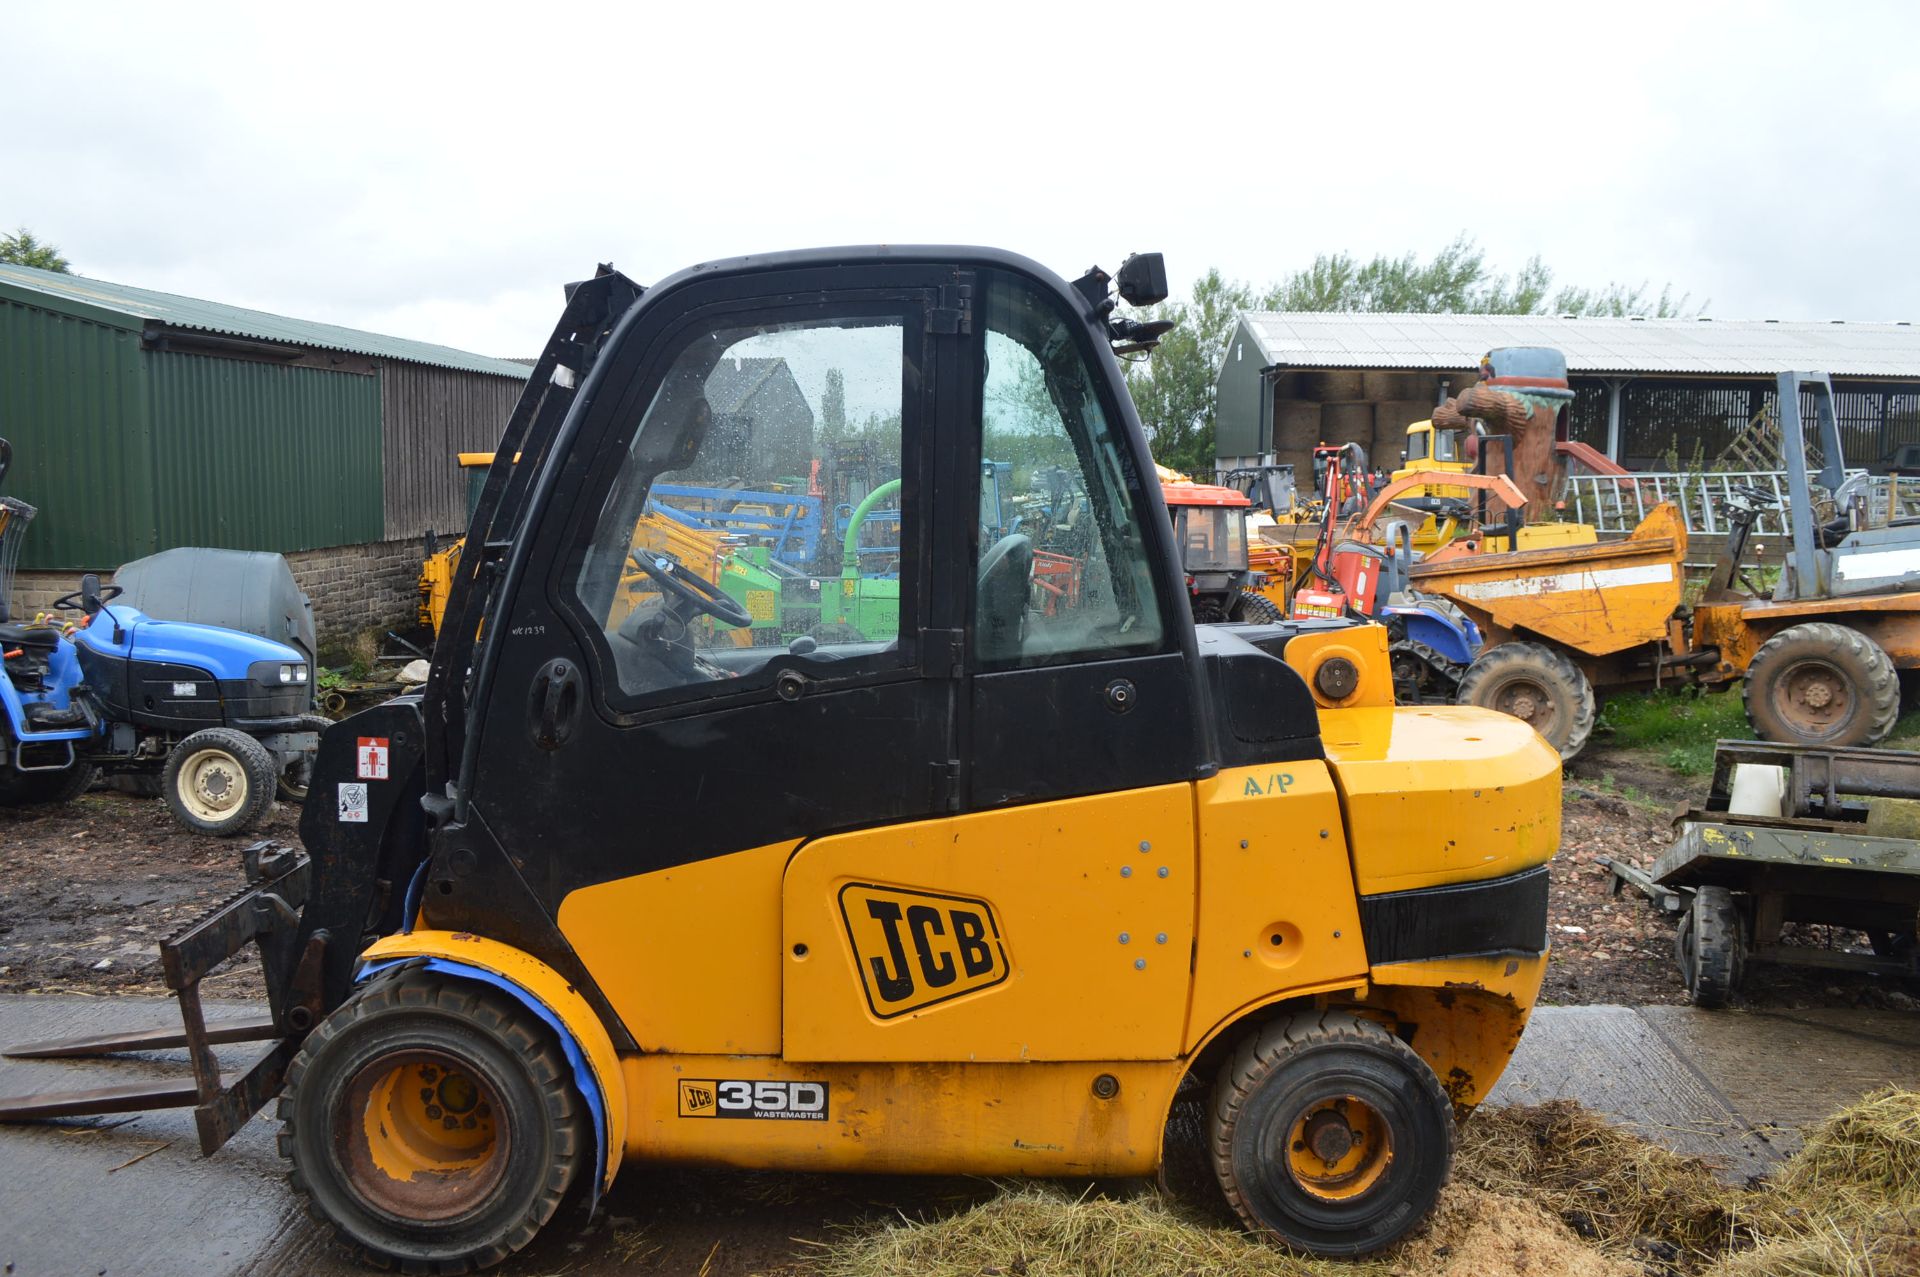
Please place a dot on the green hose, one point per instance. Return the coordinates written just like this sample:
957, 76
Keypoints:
850, 547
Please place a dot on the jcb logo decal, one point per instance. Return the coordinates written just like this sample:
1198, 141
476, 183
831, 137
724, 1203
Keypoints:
916, 948
764, 1100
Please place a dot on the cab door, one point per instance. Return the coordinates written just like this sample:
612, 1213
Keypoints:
682, 694
1052, 917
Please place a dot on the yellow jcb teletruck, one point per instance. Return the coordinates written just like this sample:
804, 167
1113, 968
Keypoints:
979, 893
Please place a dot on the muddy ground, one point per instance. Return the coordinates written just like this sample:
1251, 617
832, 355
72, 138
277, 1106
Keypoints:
88, 890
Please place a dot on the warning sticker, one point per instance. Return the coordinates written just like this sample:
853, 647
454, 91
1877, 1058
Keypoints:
353, 802
371, 758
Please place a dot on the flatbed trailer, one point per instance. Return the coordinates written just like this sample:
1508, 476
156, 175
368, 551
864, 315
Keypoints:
1791, 833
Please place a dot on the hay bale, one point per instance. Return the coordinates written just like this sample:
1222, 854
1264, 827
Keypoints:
1296, 425
1347, 423
1382, 387
1339, 385
1390, 422
1302, 462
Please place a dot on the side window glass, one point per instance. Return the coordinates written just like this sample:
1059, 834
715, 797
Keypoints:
758, 512
1063, 572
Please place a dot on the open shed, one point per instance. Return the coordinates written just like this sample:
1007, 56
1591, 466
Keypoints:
1649, 393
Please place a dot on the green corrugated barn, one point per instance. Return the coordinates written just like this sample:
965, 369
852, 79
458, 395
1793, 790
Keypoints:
142, 420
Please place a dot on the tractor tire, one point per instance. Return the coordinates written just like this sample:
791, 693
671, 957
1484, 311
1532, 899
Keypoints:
1537, 685
219, 781
1821, 684
1711, 945
1255, 609
35, 789
459, 1089
293, 782
1329, 1133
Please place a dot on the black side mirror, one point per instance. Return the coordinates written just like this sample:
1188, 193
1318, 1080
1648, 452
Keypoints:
1142, 279
6, 459
90, 593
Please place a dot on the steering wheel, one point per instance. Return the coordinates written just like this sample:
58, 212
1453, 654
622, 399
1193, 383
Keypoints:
695, 591
77, 602
1003, 588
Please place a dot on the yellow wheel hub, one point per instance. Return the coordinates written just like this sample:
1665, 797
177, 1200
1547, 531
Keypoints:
421, 1136
1338, 1148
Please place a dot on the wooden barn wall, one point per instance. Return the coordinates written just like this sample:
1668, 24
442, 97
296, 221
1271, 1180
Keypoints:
428, 415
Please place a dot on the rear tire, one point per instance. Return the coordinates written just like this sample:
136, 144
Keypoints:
294, 782
1712, 948
1256, 609
1822, 684
219, 781
1537, 685
35, 789
454, 1084
1329, 1133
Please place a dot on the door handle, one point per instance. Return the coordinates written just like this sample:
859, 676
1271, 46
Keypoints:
553, 703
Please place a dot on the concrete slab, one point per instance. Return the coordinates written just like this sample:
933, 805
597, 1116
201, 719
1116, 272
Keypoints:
73, 1197
1733, 1086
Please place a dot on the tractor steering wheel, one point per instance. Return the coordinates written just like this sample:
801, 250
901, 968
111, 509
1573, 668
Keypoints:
77, 601
695, 591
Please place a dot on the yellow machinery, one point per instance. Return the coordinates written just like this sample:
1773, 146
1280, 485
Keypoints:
978, 891
705, 552
1819, 662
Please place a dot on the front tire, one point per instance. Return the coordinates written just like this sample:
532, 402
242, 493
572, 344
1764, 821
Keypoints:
1711, 945
1537, 685
431, 1122
219, 781
1329, 1133
1821, 684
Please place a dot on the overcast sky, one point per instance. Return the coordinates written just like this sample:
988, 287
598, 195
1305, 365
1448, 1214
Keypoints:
438, 173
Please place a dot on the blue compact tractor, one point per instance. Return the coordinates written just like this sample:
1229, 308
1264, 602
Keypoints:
218, 718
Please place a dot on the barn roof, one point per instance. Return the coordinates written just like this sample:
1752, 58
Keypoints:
1704, 347
130, 307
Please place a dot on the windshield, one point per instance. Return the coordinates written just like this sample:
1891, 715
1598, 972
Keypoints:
1212, 538
1446, 445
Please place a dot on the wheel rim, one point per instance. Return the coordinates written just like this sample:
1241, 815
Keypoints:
1337, 1148
1530, 702
213, 785
298, 778
418, 1136
1813, 697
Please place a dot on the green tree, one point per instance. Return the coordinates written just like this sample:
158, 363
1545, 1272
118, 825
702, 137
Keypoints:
22, 249
1173, 387
833, 405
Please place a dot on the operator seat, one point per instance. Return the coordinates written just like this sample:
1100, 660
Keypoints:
28, 635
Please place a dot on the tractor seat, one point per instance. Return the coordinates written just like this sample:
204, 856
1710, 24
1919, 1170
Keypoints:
45, 636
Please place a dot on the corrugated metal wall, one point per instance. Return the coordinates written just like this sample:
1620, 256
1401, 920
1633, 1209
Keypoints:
72, 404
259, 456
429, 415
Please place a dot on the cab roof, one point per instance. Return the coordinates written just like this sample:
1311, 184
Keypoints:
1202, 494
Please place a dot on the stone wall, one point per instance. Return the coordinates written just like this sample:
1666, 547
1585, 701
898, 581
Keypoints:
353, 587
359, 587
